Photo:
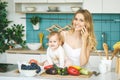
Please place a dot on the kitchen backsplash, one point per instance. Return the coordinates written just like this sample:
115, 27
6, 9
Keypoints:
105, 25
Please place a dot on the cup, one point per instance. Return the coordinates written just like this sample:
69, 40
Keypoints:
105, 65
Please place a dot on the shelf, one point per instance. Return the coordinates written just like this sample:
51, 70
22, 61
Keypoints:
42, 7
48, 1
69, 12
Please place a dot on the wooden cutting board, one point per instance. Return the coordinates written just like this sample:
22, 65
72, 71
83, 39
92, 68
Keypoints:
60, 76
66, 76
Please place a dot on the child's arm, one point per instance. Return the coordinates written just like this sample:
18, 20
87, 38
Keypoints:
61, 57
49, 59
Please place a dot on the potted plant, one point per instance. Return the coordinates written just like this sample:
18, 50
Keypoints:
35, 20
14, 36
3, 25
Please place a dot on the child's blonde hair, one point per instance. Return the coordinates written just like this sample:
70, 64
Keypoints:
56, 33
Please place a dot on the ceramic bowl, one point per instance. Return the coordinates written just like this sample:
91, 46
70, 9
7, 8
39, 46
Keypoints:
74, 9
28, 72
34, 46
30, 9
52, 8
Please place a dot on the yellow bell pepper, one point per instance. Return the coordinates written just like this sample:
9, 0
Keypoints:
77, 67
116, 45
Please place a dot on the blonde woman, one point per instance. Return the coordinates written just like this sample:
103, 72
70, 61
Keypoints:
80, 40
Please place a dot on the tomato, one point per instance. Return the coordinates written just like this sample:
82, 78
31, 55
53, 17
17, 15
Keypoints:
73, 71
48, 67
33, 61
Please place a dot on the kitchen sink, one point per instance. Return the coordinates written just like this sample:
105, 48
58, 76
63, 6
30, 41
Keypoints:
7, 67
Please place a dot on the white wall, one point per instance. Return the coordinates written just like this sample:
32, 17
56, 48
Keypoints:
15, 17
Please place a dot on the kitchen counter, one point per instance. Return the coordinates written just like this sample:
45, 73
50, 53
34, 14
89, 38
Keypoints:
26, 51
16, 76
43, 51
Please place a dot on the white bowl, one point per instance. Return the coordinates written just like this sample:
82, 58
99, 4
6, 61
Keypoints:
28, 72
34, 46
74, 9
30, 9
52, 8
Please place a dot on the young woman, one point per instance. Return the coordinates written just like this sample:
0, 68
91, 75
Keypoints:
80, 40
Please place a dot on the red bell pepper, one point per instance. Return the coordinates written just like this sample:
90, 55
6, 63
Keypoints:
73, 71
48, 67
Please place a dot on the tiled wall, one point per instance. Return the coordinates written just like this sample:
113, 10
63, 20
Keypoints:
107, 23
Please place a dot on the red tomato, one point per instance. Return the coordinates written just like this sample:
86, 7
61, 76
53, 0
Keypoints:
73, 71
33, 61
48, 67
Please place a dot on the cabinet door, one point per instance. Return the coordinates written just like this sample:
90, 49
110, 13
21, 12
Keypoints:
39, 1
111, 6
14, 58
94, 6
29, 1
56, 1
74, 1
21, 1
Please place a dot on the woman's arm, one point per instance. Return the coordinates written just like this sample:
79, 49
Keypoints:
85, 49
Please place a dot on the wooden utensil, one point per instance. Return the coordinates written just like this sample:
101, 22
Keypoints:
114, 53
105, 47
41, 39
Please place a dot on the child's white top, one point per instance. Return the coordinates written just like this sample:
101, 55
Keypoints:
56, 57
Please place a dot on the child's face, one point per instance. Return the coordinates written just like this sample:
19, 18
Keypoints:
54, 42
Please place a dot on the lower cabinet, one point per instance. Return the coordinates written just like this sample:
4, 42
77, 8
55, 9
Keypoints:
14, 58
94, 61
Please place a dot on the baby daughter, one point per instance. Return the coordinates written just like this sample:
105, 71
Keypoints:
55, 52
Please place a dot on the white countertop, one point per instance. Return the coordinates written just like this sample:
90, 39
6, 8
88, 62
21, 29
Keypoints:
12, 75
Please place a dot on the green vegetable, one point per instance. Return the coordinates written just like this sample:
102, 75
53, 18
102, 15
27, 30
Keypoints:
84, 71
61, 71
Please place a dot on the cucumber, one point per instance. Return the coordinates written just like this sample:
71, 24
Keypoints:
84, 71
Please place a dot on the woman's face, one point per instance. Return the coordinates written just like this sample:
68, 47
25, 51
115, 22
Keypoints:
54, 42
78, 22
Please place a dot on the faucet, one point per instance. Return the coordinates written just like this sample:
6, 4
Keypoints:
104, 37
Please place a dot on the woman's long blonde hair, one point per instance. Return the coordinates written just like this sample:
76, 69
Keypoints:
89, 25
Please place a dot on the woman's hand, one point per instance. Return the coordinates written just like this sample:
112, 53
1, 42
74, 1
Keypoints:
84, 33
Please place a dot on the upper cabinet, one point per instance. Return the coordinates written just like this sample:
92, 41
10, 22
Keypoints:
74, 1
41, 6
94, 6
56, 1
102, 6
111, 6
29, 1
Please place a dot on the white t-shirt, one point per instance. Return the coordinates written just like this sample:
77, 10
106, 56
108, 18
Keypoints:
56, 57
